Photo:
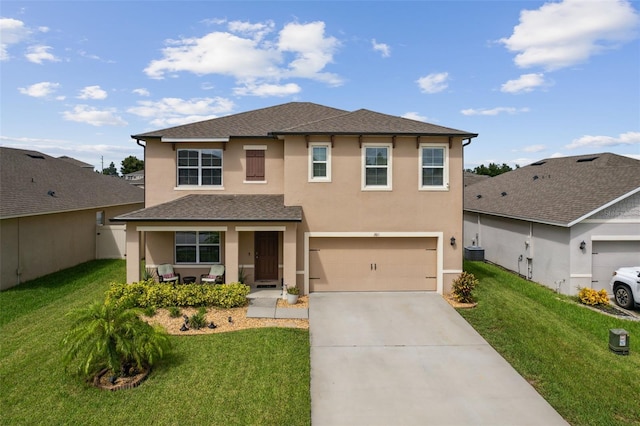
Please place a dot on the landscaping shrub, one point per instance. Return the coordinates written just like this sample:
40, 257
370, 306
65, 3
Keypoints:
174, 312
463, 286
149, 311
146, 294
592, 297
199, 319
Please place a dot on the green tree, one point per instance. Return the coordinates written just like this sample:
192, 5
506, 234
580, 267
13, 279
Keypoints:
106, 336
131, 164
492, 170
111, 170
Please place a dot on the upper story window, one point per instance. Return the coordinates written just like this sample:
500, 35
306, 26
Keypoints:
320, 162
434, 167
376, 167
200, 167
197, 247
255, 163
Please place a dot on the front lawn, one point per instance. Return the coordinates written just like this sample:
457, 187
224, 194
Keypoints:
559, 347
257, 376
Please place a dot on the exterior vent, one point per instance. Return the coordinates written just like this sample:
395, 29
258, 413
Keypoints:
36, 156
478, 196
503, 194
535, 177
539, 163
585, 160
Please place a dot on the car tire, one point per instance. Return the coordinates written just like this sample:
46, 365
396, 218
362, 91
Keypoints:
623, 297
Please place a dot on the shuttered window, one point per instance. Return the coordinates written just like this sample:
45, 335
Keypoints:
255, 165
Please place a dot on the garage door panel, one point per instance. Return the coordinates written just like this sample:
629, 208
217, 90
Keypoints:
609, 256
372, 264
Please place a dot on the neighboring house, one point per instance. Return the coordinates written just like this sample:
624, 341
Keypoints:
76, 162
563, 222
470, 178
135, 178
49, 209
307, 195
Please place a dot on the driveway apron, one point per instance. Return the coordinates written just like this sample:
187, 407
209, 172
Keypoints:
410, 359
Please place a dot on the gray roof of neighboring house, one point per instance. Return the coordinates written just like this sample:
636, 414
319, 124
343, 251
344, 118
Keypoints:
301, 118
471, 178
219, 207
32, 183
557, 191
76, 162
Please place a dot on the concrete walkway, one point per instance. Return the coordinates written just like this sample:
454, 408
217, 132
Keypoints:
266, 307
410, 359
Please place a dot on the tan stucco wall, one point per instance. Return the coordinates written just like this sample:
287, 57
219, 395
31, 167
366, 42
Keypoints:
38, 245
161, 169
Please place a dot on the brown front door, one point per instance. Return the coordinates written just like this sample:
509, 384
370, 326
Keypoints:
266, 250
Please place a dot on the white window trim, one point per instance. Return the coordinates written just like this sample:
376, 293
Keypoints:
197, 245
200, 185
327, 178
363, 166
445, 173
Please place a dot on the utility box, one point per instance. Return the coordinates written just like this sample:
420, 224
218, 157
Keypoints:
619, 341
474, 253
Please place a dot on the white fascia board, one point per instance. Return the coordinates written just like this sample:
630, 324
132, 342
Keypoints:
178, 140
604, 206
615, 238
523, 219
261, 228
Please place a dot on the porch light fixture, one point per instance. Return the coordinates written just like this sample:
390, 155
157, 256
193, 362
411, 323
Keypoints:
453, 241
583, 245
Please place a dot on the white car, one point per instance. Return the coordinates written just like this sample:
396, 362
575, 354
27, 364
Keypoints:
625, 285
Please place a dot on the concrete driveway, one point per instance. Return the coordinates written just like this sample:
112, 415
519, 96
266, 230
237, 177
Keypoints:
410, 359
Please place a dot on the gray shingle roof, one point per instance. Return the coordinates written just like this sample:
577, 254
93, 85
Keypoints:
26, 177
364, 121
559, 191
256, 123
219, 207
302, 118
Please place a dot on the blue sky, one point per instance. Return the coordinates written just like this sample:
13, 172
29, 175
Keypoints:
535, 79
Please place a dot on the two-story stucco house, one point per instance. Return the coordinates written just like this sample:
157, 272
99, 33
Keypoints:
306, 195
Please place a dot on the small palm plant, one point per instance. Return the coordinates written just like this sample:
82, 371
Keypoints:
107, 336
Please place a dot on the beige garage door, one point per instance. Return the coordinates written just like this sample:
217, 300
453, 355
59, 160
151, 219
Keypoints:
372, 264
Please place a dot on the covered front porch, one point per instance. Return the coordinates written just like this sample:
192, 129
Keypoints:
253, 236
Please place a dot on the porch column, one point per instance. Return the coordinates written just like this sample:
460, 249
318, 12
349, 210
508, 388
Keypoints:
289, 253
231, 247
132, 250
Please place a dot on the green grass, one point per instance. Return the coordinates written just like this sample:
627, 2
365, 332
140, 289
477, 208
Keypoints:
559, 347
258, 376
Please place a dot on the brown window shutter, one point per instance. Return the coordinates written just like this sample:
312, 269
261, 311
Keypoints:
255, 165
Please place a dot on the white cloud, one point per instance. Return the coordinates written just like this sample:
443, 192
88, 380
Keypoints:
94, 116
414, 116
12, 31
176, 111
297, 51
255, 31
39, 53
265, 90
587, 141
526, 83
494, 111
433, 83
383, 48
562, 34
557, 155
141, 91
39, 90
534, 148
92, 92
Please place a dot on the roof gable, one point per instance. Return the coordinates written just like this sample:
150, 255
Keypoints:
34, 183
558, 191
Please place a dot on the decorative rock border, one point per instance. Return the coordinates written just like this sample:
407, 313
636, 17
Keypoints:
135, 382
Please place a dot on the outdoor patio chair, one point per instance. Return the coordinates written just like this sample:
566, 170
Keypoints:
167, 275
215, 275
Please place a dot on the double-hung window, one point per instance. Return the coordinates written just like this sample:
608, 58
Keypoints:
200, 167
376, 167
320, 162
197, 247
434, 167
